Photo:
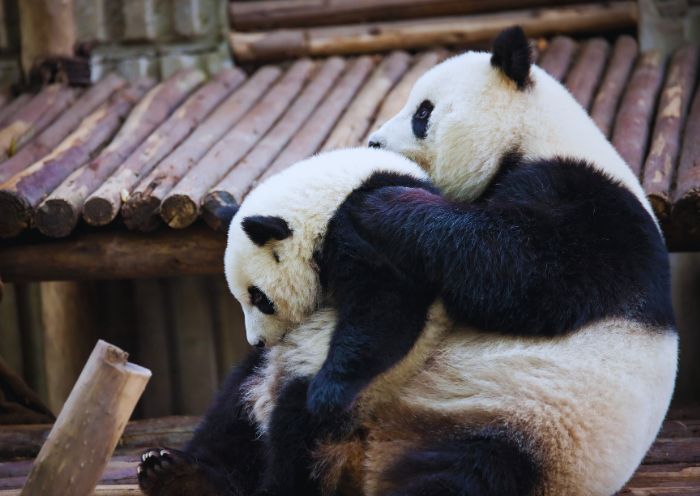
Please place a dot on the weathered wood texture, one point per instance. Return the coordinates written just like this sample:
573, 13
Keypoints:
108, 385
423, 33
181, 207
584, 76
558, 56
58, 215
271, 14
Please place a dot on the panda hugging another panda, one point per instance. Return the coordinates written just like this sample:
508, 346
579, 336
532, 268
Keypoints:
509, 333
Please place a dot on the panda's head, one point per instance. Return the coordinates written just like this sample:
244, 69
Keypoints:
463, 115
269, 261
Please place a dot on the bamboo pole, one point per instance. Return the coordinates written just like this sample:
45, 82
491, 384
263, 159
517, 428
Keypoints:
618, 71
59, 213
631, 131
148, 195
89, 426
585, 75
22, 192
181, 207
424, 33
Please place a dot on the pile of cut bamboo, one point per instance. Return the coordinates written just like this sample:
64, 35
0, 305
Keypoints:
169, 154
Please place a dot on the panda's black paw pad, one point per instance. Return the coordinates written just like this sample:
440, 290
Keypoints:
160, 467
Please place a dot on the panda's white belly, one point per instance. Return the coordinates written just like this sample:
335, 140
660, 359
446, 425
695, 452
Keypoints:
593, 400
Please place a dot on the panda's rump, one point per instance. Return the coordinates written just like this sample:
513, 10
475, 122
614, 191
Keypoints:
588, 404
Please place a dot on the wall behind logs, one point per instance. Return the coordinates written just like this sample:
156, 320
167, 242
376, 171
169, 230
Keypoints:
187, 330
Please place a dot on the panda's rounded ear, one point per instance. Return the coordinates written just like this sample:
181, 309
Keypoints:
262, 228
512, 55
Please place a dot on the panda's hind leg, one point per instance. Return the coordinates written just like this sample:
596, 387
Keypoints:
474, 465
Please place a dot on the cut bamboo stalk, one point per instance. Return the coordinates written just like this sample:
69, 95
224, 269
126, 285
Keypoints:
31, 119
686, 198
558, 57
666, 139
141, 209
353, 125
423, 33
607, 99
149, 194
103, 205
13, 107
242, 175
631, 130
219, 206
585, 74
398, 96
115, 255
181, 206
50, 137
89, 426
58, 215
22, 192
271, 14
161, 143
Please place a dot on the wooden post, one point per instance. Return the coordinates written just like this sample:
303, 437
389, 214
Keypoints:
89, 426
47, 29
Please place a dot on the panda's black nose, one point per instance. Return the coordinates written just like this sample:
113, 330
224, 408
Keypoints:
375, 144
260, 344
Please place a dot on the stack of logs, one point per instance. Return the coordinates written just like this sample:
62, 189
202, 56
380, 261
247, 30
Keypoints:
168, 154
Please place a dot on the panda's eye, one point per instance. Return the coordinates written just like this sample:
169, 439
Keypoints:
260, 300
420, 119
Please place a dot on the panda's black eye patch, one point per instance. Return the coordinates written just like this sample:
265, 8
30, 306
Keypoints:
260, 300
420, 119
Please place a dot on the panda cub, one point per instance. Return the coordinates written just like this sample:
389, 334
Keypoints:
466, 410
557, 233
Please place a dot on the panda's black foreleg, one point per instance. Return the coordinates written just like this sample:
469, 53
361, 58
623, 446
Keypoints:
224, 457
481, 465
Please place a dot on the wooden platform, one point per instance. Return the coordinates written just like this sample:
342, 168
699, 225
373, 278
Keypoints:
137, 157
672, 466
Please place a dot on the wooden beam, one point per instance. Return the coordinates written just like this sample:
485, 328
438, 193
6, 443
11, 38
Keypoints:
423, 33
89, 426
115, 254
272, 14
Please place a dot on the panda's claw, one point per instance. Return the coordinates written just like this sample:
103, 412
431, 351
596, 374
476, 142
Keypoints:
169, 472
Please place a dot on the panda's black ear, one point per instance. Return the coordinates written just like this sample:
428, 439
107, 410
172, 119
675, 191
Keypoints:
262, 228
512, 55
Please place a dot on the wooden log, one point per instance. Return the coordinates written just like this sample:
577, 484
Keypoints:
100, 490
424, 33
353, 125
674, 450
686, 199
149, 193
38, 113
219, 205
115, 254
631, 130
584, 77
674, 479
154, 323
660, 165
271, 14
58, 215
69, 330
109, 385
558, 56
239, 179
47, 29
103, 205
22, 192
13, 107
50, 137
25, 441
181, 207
617, 73
398, 96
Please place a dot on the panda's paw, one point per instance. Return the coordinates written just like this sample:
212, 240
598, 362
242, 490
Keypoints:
169, 472
327, 397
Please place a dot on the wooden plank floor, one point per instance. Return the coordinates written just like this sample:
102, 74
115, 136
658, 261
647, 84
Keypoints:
672, 466
171, 173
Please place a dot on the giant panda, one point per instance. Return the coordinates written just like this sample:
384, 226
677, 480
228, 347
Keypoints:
465, 411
